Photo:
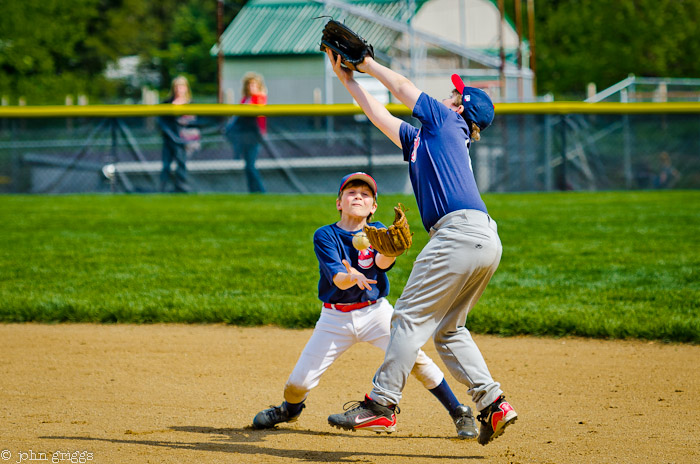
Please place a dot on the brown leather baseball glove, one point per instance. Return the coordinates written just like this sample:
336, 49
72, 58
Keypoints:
394, 240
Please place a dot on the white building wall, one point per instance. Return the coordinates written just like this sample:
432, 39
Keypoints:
471, 23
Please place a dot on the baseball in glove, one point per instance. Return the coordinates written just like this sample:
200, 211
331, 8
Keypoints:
394, 240
341, 40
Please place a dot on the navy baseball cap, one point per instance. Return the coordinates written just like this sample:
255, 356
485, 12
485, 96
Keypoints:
364, 177
478, 106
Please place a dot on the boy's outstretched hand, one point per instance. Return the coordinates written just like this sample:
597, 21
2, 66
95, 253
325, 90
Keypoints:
358, 278
343, 73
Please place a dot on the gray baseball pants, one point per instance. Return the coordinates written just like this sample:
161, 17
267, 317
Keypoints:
448, 277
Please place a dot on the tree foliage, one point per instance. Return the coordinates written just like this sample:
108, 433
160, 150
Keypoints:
603, 41
50, 48
186, 44
34, 52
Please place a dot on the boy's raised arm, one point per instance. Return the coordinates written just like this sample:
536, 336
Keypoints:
375, 111
401, 87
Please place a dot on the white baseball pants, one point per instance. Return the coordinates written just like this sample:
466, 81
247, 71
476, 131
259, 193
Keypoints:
337, 331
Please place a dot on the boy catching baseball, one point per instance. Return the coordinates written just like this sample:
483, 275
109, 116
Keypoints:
464, 250
353, 287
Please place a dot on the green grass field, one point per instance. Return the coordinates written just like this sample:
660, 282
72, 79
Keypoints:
609, 264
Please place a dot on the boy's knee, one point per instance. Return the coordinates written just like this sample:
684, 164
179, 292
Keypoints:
443, 337
429, 375
426, 371
439, 340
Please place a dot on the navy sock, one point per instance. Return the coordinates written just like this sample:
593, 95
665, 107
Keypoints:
294, 408
443, 392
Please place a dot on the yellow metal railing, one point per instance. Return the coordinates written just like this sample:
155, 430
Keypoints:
558, 108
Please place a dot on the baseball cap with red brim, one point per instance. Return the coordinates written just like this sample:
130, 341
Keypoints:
478, 106
364, 177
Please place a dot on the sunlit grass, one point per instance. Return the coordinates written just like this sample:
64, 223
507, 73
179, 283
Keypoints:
609, 264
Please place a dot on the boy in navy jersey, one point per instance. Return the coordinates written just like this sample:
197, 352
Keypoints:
353, 287
464, 250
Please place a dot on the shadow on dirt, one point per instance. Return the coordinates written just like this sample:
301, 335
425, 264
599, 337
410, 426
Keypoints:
248, 440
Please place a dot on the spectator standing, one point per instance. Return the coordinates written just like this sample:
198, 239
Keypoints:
245, 133
173, 129
668, 175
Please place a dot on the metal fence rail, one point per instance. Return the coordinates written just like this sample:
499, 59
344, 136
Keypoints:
530, 147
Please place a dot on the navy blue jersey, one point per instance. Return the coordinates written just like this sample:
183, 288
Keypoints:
439, 164
333, 244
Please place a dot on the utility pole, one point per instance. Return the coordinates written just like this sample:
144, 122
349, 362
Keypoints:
463, 31
502, 49
519, 55
220, 52
531, 35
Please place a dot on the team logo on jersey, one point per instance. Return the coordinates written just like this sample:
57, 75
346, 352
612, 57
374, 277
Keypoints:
416, 142
365, 258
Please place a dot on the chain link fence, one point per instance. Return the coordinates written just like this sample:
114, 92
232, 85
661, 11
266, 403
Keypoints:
308, 154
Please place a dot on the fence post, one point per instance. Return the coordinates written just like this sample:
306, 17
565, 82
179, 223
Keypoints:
69, 121
505, 140
16, 167
562, 181
626, 143
113, 153
548, 184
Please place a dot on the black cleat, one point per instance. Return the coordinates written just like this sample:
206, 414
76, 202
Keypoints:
268, 418
464, 422
494, 420
365, 415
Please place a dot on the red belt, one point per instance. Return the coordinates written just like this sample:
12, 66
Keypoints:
348, 307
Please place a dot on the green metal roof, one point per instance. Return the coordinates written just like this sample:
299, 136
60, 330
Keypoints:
281, 27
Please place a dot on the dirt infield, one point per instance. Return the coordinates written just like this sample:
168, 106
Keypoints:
187, 394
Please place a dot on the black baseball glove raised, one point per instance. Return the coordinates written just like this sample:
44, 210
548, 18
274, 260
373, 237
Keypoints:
341, 40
